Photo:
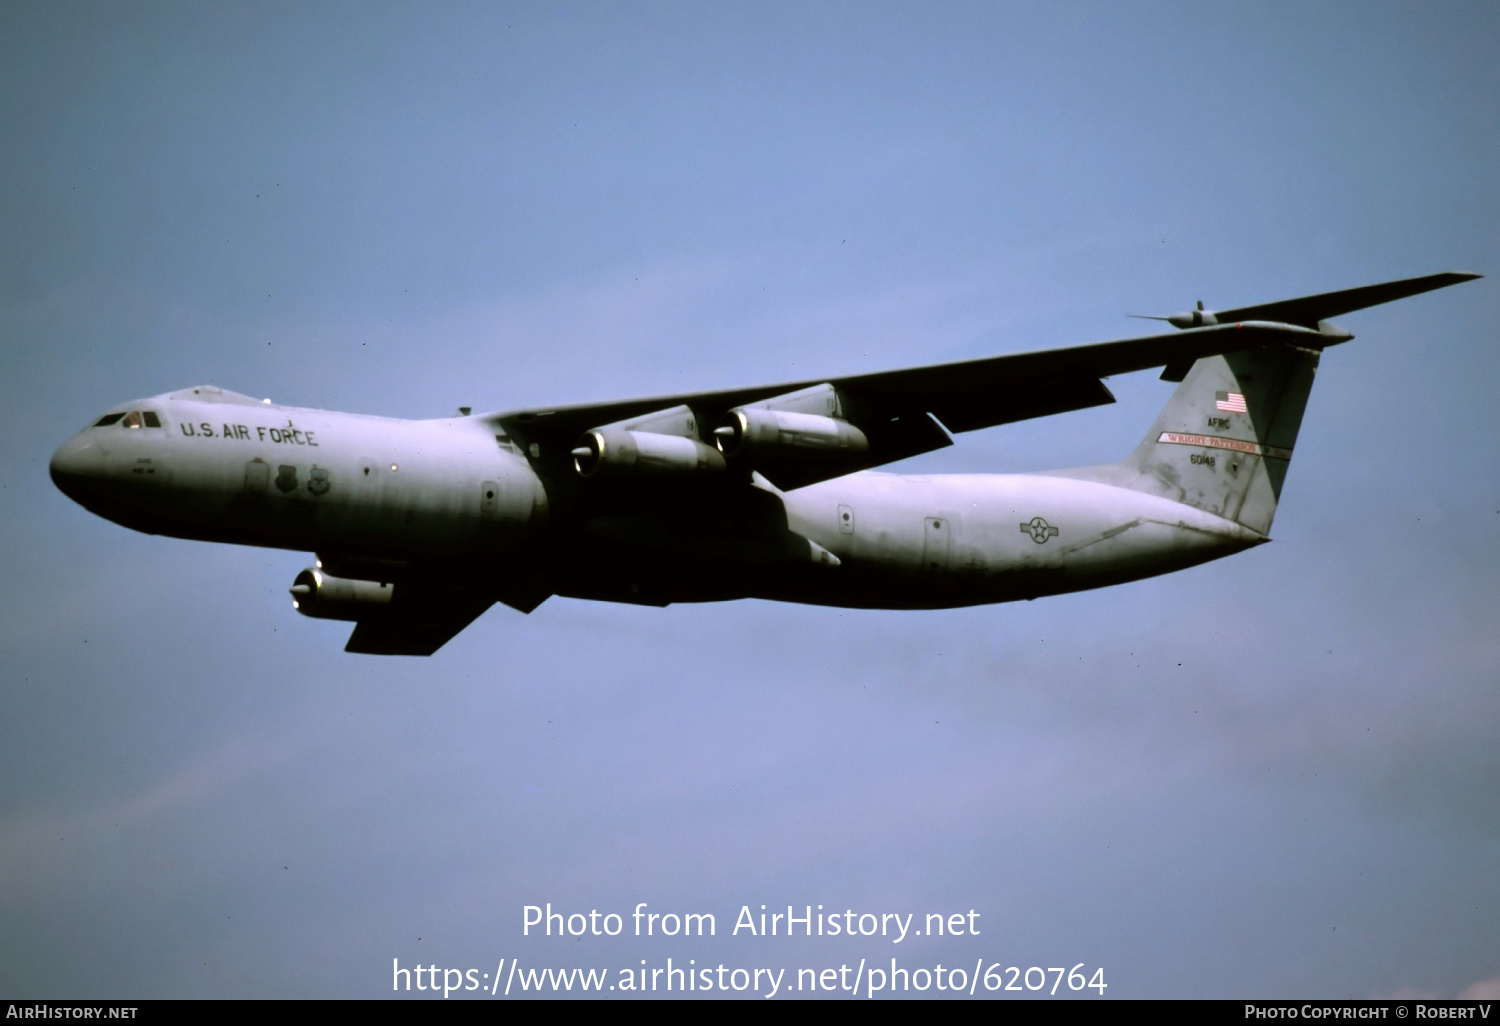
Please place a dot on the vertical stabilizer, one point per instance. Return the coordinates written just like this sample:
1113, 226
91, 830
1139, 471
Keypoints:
1223, 441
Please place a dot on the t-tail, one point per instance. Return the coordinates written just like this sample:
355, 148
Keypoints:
1224, 440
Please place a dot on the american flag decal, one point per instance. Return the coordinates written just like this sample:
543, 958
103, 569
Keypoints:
1230, 402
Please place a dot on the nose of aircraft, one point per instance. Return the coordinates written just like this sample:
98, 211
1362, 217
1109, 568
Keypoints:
76, 464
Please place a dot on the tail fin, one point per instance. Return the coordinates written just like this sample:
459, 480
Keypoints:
1223, 441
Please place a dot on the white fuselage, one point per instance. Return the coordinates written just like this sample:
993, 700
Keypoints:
454, 493
974, 538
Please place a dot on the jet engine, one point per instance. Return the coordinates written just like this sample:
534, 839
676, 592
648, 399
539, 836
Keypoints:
751, 433
618, 451
316, 594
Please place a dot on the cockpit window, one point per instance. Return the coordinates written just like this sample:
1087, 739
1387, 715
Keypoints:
134, 420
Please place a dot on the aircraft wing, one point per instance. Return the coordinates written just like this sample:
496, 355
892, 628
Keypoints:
911, 411
906, 412
1307, 311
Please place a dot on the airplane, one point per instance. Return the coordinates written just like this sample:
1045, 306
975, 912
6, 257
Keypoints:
419, 526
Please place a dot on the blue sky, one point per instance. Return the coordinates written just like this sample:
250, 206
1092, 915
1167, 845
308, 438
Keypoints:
1270, 776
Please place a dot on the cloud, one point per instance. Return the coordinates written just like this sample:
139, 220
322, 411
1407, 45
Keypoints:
1484, 990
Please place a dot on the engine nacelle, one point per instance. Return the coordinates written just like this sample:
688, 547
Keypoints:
316, 594
616, 451
754, 432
